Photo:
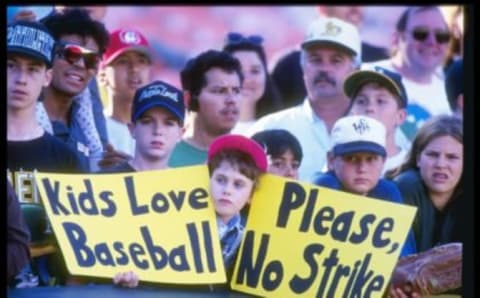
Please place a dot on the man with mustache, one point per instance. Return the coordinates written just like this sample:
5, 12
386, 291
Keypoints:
330, 52
211, 83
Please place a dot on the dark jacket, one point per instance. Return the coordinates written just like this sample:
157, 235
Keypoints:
18, 237
431, 226
384, 190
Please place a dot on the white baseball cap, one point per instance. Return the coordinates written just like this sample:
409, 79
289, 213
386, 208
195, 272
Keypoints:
351, 134
329, 30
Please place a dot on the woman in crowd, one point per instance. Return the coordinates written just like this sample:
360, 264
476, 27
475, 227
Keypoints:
259, 97
431, 179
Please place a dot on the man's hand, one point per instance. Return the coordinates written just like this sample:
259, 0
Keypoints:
112, 157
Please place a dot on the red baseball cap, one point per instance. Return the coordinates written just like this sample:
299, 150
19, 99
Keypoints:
241, 143
123, 40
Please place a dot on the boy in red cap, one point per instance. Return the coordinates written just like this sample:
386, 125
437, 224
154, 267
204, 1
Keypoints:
126, 66
235, 164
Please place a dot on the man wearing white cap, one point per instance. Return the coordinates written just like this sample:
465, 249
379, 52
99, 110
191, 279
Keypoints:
355, 163
330, 52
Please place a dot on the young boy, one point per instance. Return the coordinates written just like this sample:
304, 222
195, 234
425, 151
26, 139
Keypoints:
235, 164
284, 152
380, 94
355, 163
157, 117
126, 66
30, 48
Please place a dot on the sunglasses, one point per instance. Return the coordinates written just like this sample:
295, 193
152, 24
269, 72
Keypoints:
236, 38
421, 34
72, 53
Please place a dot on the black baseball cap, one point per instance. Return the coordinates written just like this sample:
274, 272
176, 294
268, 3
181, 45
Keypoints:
32, 39
391, 80
158, 94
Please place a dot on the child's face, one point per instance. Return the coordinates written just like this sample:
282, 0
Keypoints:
441, 164
128, 72
377, 102
358, 172
25, 79
156, 133
230, 190
284, 165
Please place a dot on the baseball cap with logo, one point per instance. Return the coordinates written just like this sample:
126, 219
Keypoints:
333, 31
32, 39
125, 40
240, 143
158, 94
391, 80
352, 134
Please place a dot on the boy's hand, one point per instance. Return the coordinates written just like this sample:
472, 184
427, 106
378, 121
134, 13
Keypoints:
126, 279
112, 157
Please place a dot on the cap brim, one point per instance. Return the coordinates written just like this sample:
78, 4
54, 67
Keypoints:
356, 147
29, 53
142, 49
243, 144
160, 104
309, 43
357, 79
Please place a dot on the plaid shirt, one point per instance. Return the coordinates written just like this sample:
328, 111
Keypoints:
230, 237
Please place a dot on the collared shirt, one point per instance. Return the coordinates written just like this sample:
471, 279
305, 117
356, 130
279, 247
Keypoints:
230, 237
73, 136
310, 130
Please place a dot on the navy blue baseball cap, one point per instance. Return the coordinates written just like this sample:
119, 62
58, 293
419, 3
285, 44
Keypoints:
158, 94
32, 39
391, 80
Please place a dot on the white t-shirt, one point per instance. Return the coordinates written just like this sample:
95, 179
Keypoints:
119, 136
424, 100
310, 131
242, 127
394, 161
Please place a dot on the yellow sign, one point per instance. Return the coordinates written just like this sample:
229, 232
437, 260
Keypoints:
303, 240
160, 224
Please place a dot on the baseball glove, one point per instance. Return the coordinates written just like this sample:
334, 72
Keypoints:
431, 272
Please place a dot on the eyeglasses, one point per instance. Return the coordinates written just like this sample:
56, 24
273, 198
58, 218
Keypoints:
421, 34
72, 53
236, 38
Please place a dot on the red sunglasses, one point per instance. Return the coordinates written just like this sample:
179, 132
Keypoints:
72, 53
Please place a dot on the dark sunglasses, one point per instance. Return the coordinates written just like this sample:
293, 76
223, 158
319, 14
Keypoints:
236, 38
72, 53
421, 34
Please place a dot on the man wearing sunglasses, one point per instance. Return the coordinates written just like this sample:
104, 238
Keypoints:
65, 108
421, 43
